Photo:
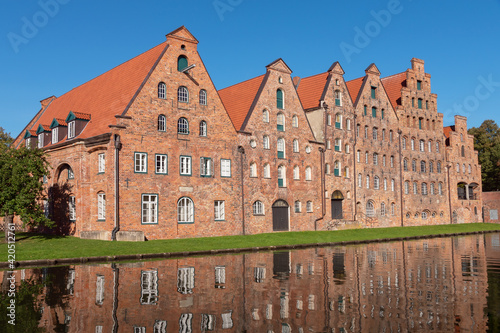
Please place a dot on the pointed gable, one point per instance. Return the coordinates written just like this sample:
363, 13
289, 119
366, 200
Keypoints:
372, 69
393, 85
311, 89
182, 33
336, 68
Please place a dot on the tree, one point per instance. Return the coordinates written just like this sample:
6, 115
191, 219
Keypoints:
487, 143
21, 186
5, 139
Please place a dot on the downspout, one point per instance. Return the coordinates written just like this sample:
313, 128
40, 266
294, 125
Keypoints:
241, 150
322, 161
401, 177
355, 175
118, 146
449, 193
116, 276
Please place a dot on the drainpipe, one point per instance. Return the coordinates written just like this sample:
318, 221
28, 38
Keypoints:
355, 175
118, 146
401, 177
322, 162
116, 274
449, 193
241, 150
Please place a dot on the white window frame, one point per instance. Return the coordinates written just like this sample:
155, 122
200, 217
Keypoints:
296, 172
219, 210
149, 287
258, 208
185, 280
265, 116
295, 145
71, 129
140, 162
41, 140
309, 207
99, 290
182, 95
101, 162
162, 90
298, 206
265, 142
185, 210
101, 206
72, 208
149, 209
205, 167
253, 170
308, 173
161, 164
203, 128
225, 168
295, 121
55, 135
185, 165
203, 97
162, 123
267, 170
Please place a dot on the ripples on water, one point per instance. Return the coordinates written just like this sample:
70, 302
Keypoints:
434, 285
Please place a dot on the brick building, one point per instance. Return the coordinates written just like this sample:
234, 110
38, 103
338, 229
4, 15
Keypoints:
150, 149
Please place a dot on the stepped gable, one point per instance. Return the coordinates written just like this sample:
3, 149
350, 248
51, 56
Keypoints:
311, 89
393, 85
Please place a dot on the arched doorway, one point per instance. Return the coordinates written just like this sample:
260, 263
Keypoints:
280, 215
337, 198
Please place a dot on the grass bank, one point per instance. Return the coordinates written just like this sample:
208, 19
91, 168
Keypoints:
34, 246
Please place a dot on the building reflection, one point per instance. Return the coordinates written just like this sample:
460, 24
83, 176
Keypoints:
433, 285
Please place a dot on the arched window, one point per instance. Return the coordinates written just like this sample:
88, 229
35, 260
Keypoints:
360, 180
253, 169
265, 116
405, 164
422, 145
407, 187
296, 172
385, 184
383, 160
424, 188
338, 98
393, 185
162, 88
366, 132
358, 156
258, 208
281, 148
470, 169
101, 206
463, 151
367, 181
440, 188
182, 63
338, 144
267, 171
422, 166
383, 134
414, 165
203, 128
393, 209
437, 146
438, 167
182, 126
281, 176
280, 99
182, 95
463, 168
375, 159
376, 182
308, 173
375, 133
281, 121
431, 166
162, 123
346, 172
347, 148
295, 146
265, 142
185, 210
295, 121
348, 124
327, 168
338, 121
424, 215
432, 189
412, 142
458, 167
382, 209
336, 168
403, 142
370, 209
415, 188
429, 146
366, 157
203, 97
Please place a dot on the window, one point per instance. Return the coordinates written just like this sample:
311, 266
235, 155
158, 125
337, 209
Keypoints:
424, 215
149, 208
338, 121
422, 145
182, 95
375, 133
393, 209
162, 123
347, 149
160, 326
440, 188
267, 170
375, 159
253, 170
161, 164
407, 187
432, 189
296, 172
329, 120
336, 169
382, 209
366, 132
338, 98
182, 126
357, 130
346, 172
101, 162
203, 128
40, 140
360, 180
203, 97
373, 92
383, 134
101, 206
437, 146
392, 161
186, 322
281, 122
413, 101
385, 184
424, 189
366, 157
370, 209
225, 168
258, 208
364, 110
308, 173
55, 135
182, 63
415, 188
403, 142
429, 146
458, 167
141, 162
469, 168
382, 113
414, 165
419, 85
420, 105
71, 129
412, 144
72, 208
367, 181
185, 165
265, 116
348, 124
374, 112
265, 142
295, 121
431, 167
405, 164
227, 321
463, 151
422, 166
393, 183
391, 135
279, 99
162, 90
185, 210
207, 322
298, 207
328, 144
205, 167
281, 176
376, 183
295, 146
281, 148
358, 156
71, 174
309, 207
219, 211
149, 287
28, 143
338, 144
438, 167
383, 160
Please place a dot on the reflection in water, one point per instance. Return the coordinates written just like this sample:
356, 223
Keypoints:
434, 285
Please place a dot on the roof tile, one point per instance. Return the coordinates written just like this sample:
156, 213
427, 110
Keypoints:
393, 85
311, 89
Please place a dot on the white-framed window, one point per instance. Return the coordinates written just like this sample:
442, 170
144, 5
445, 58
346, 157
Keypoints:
265, 142
182, 126
253, 169
370, 209
423, 166
205, 167
267, 170
366, 157
186, 323
393, 185
185, 280
424, 188
360, 180
207, 322
412, 142
185, 165
338, 144
162, 123
375, 159
160, 326
281, 176
336, 168
40, 140
429, 146
281, 148
338, 97
376, 182
375, 133
140, 162
71, 129
265, 116
99, 290
258, 208
385, 184
346, 172
203, 97
72, 208
432, 189
296, 172
338, 121
308, 173
225, 168
329, 120
437, 146
149, 287
295, 121
149, 208
185, 210
347, 148
101, 162
219, 210
403, 142
101, 206
220, 277
227, 321
367, 181
98, 329
415, 188
28, 143
182, 95
309, 207
55, 135
383, 134
162, 88
71, 174
298, 206
161, 164
295, 146
327, 168
392, 161
281, 122
382, 209
422, 145
348, 124
438, 167
366, 132
440, 188
358, 156
407, 187
203, 128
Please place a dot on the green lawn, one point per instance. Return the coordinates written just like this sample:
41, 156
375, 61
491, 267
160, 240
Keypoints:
34, 246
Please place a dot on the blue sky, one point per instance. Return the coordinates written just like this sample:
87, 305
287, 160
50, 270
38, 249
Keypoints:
48, 47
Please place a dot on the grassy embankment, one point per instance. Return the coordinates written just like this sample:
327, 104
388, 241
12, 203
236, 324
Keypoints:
34, 246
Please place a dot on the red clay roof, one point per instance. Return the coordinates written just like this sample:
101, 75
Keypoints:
310, 90
393, 85
447, 130
103, 97
238, 99
353, 86
61, 122
46, 128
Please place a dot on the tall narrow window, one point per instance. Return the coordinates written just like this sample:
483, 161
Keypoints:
182, 126
392, 161
295, 146
281, 148
182, 95
424, 189
412, 142
370, 209
338, 121
267, 170
185, 210
414, 165
281, 176
161, 164
162, 123
374, 112
265, 142
393, 209
101, 206
374, 92
367, 181
308, 173
149, 208
55, 135
203, 128
296, 172
419, 104
360, 180
265, 116
376, 182
279, 99
338, 144
182, 63
253, 169
203, 97
440, 188
415, 188
385, 184
419, 85
295, 121
40, 140
101, 162
422, 145
71, 129
281, 122
382, 209
393, 185
375, 133
162, 88
99, 290
336, 168
403, 142
185, 165
407, 187
205, 167
405, 164
309, 207
375, 159
72, 208
338, 98
219, 210
298, 206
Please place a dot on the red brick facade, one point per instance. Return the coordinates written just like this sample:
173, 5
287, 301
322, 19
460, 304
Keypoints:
152, 148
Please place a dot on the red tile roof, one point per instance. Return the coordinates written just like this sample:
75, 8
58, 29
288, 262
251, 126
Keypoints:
311, 89
447, 130
353, 86
46, 128
61, 122
238, 99
393, 85
103, 97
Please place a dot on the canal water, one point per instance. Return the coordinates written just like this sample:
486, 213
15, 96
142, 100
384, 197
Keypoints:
428, 285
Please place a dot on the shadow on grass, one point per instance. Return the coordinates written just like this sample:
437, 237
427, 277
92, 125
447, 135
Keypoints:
22, 236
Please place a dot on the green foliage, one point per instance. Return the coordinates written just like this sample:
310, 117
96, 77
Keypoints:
5, 139
21, 187
487, 143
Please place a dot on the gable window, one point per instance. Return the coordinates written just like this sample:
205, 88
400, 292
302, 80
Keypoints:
281, 122
295, 121
55, 135
162, 123
419, 103
267, 170
185, 210
296, 173
374, 112
182, 126
281, 148
338, 144
101, 206
295, 146
365, 110
182, 63
376, 182
141, 162
40, 140
203, 97
279, 99
205, 167
185, 165
338, 98
161, 164
149, 208
149, 287
219, 211
265, 116
253, 169
72, 208
182, 95
308, 173
71, 129
258, 208
28, 143
338, 121
225, 168
203, 128
373, 92
419, 85
162, 90
281, 176
265, 142
101, 158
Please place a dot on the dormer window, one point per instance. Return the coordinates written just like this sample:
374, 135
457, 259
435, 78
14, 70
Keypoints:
58, 127
40, 140
28, 143
71, 129
76, 123
55, 135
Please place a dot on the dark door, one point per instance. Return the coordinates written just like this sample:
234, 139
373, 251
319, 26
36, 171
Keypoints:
337, 209
280, 216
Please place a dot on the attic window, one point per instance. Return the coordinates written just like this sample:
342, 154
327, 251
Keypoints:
71, 129
183, 47
182, 63
280, 79
373, 92
419, 85
40, 140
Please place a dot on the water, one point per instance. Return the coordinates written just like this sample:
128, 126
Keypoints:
435, 285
